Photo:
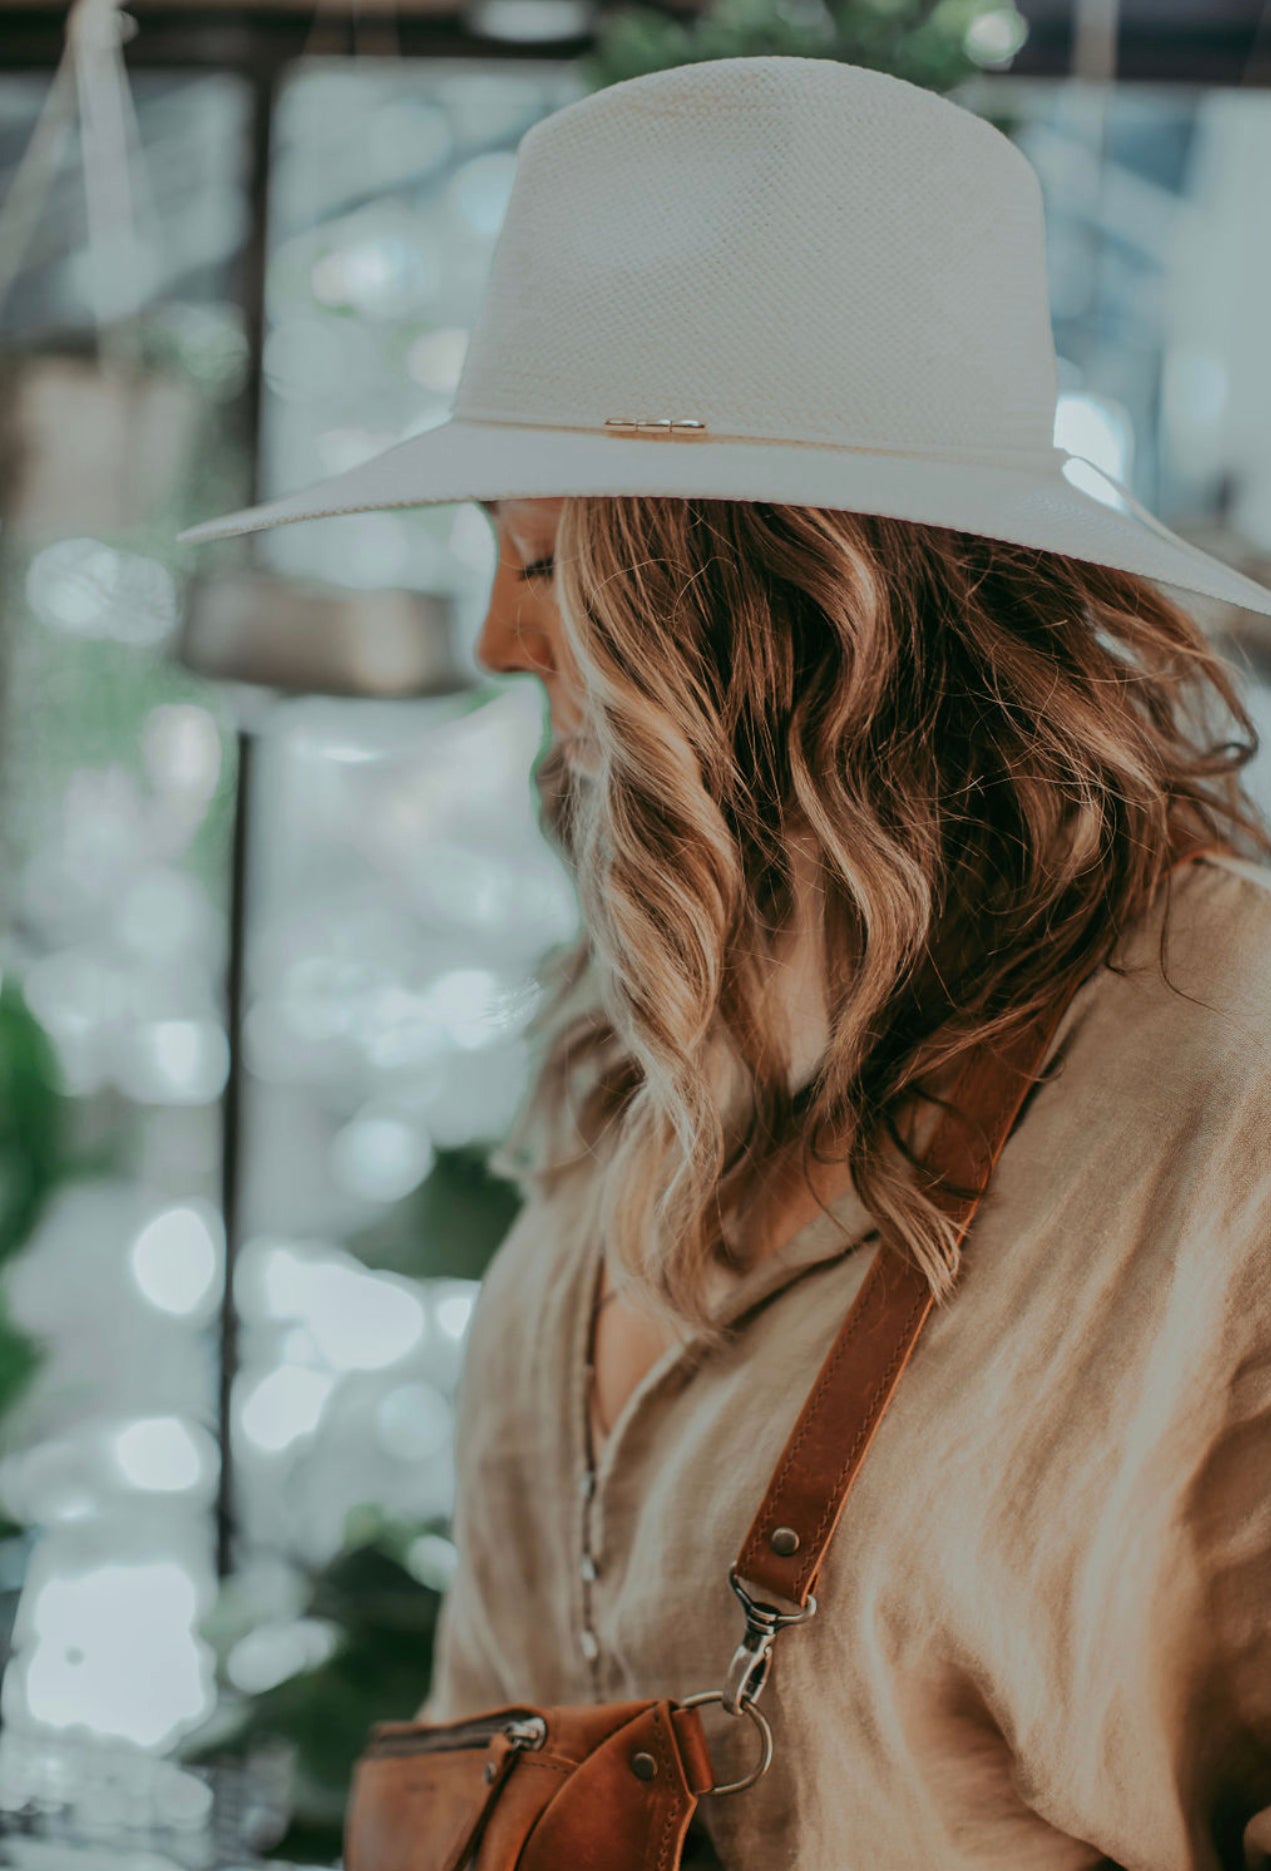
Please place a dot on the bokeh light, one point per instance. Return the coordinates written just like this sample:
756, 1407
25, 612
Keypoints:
176, 1258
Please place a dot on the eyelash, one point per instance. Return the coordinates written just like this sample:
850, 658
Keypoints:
541, 568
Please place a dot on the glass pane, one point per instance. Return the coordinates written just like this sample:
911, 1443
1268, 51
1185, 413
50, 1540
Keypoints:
1159, 259
118, 781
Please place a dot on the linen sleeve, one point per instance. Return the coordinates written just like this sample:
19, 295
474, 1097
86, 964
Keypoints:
465, 1672
1225, 1764
464, 1679
465, 1675
1154, 1743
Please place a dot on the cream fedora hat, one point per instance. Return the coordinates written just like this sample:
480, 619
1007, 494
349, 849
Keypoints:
780, 279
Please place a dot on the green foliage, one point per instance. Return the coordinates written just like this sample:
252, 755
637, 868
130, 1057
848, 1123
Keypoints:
916, 40
32, 1160
31, 1118
32, 1163
450, 1226
386, 1616
20, 1358
380, 1672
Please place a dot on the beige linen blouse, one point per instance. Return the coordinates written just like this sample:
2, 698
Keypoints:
1044, 1629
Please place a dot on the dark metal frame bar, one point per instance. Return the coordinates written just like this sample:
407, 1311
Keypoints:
1189, 42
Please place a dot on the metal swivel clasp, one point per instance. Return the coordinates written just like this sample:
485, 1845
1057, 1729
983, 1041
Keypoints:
748, 1671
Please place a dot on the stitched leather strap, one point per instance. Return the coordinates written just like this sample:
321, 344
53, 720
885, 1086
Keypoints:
823, 1455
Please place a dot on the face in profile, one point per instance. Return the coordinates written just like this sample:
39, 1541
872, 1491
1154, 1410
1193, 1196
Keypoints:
523, 632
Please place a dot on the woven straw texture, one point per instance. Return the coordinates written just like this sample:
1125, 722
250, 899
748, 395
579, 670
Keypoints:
840, 275
841, 259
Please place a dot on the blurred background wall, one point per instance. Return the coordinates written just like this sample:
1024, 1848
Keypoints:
274, 902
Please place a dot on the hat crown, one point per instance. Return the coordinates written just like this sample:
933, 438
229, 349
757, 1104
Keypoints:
791, 249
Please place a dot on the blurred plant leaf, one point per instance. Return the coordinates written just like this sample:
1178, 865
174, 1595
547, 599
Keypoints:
380, 1672
923, 42
32, 1118
449, 1227
20, 1358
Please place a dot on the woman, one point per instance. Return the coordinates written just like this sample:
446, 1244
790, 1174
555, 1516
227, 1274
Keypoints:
876, 739
865, 785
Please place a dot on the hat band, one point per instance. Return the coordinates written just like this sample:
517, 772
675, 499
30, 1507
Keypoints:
691, 429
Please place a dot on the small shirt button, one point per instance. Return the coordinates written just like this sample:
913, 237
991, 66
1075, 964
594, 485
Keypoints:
587, 1568
587, 1483
590, 1645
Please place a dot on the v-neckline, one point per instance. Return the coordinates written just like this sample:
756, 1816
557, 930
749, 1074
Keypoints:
831, 1234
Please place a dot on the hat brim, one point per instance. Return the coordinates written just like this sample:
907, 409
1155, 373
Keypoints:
1043, 506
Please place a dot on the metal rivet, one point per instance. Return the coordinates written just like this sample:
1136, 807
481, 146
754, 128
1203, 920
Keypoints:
784, 1541
643, 1766
491, 1769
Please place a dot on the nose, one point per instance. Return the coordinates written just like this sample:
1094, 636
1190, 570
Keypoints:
510, 641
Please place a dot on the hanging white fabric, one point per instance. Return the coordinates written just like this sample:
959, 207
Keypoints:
91, 80
91, 444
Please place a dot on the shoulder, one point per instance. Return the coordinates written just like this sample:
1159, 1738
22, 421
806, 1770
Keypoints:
1186, 993
1223, 942
1228, 896
1151, 1130
524, 1296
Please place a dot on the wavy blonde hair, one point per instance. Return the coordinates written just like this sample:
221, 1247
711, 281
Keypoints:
990, 749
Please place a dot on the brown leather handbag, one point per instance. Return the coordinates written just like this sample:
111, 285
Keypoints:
614, 1786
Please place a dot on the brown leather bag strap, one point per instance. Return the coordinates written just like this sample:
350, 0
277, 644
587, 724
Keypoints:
782, 1553
783, 1550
